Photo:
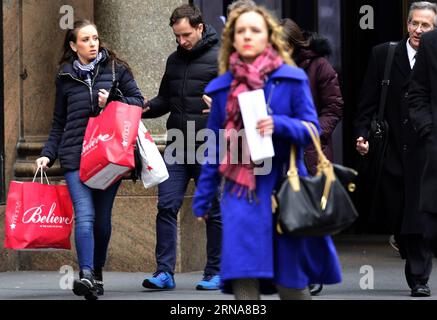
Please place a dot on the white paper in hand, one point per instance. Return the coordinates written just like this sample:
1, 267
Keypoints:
253, 108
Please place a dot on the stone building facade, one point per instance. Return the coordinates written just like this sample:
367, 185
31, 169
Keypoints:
31, 37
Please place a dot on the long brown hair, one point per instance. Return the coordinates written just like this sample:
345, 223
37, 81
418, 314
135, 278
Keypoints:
69, 55
294, 36
276, 37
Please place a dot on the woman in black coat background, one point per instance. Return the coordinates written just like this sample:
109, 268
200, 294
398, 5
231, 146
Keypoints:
310, 53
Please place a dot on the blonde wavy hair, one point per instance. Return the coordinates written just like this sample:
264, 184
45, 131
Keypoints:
276, 36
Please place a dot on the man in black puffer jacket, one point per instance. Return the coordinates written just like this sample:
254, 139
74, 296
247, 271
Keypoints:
188, 71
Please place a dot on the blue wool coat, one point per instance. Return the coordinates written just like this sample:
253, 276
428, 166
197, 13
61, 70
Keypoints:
251, 247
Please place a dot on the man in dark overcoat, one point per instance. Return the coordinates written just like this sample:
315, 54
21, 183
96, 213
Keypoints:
404, 157
422, 102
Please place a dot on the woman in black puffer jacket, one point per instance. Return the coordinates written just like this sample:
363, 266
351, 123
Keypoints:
82, 85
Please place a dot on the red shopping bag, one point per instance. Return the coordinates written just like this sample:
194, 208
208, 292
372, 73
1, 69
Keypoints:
38, 216
108, 145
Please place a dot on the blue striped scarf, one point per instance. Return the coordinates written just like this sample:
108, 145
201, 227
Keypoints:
85, 72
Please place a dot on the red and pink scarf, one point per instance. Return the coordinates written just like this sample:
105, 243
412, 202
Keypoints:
247, 77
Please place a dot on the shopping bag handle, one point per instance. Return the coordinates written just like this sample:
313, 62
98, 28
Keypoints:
36, 172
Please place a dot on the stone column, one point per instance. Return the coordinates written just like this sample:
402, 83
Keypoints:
42, 43
11, 98
40, 38
139, 32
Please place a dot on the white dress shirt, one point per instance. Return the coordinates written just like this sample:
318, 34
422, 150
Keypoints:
411, 54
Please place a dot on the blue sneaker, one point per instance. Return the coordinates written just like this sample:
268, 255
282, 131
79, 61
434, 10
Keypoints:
209, 282
160, 280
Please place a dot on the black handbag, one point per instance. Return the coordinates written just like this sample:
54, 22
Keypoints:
378, 133
315, 205
379, 128
114, 92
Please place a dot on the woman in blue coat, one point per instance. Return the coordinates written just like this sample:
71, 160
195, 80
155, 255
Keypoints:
255, 259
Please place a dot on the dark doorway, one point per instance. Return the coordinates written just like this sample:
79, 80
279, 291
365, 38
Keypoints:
303, 12
215, 12
2, 113
356, 46
212, 13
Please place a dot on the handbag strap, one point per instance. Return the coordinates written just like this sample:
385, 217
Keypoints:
385, 83
113, 70
322, 160
324, 165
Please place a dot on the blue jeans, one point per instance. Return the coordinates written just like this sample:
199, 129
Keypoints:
92, 218
170, 197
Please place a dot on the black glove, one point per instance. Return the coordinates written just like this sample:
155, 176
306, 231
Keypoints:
115, 93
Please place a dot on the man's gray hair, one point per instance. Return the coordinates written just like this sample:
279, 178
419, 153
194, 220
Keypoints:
423, 5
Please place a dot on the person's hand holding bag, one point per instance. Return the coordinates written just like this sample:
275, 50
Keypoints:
42, 162
103, 97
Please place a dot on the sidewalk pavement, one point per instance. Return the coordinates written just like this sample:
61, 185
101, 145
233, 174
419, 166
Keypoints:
361, 256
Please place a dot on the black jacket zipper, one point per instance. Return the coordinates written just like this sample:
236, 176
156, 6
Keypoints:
88, 86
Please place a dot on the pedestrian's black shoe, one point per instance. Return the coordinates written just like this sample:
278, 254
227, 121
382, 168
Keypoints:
421, 290
315, 289
98, 281
85, 286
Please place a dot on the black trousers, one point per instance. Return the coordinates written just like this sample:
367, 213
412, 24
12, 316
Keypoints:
430, 232
416, 250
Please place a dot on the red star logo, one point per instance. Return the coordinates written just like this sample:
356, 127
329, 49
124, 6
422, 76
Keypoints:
148, 136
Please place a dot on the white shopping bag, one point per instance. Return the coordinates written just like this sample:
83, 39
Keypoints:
153, 169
